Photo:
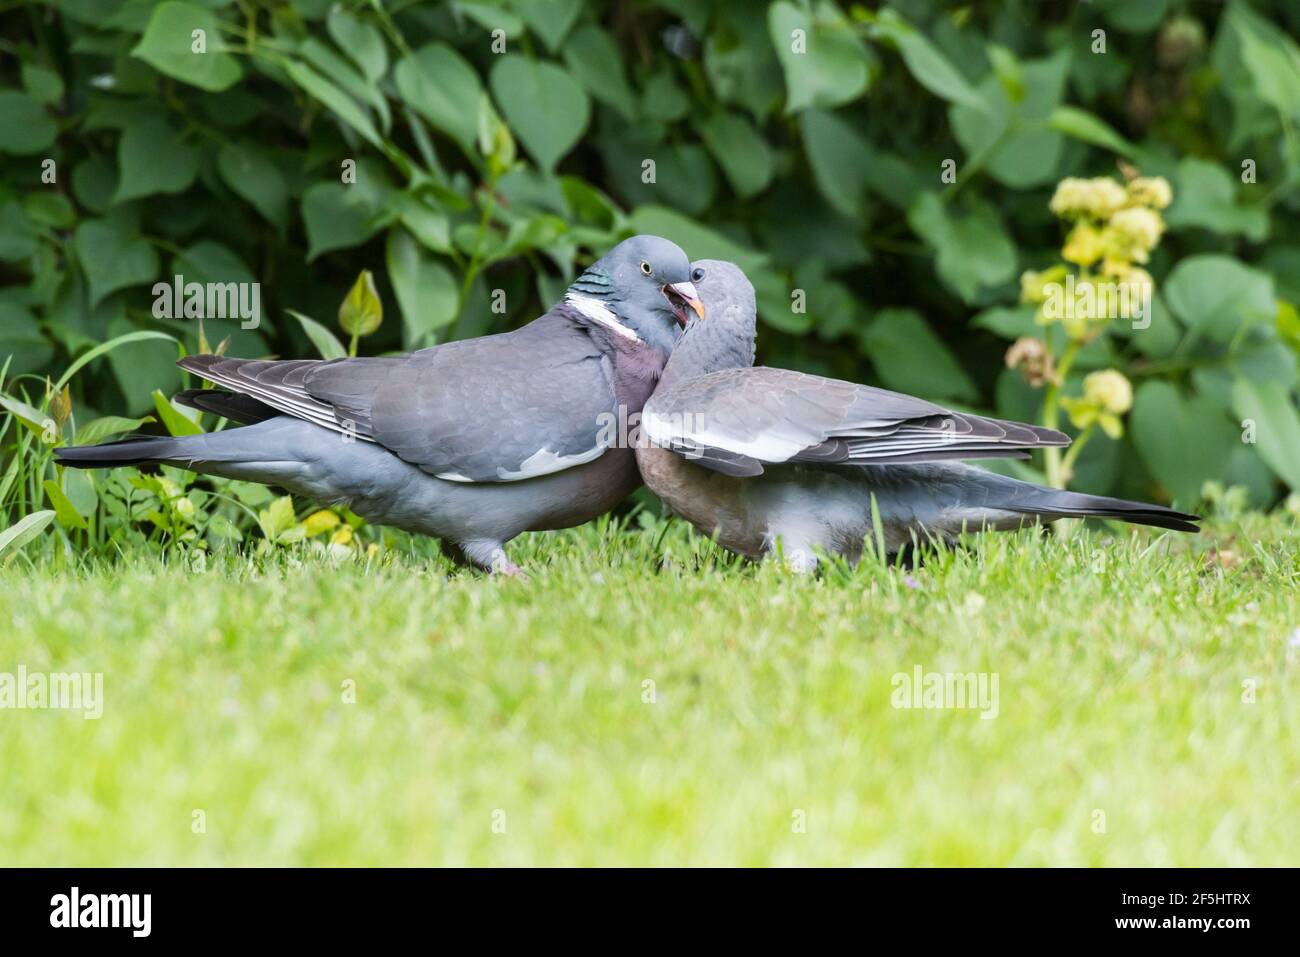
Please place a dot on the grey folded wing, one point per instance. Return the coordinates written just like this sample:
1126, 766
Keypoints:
496, 409
737, 420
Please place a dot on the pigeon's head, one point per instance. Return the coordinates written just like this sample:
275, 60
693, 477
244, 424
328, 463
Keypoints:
726, 340
645, 282
727, 294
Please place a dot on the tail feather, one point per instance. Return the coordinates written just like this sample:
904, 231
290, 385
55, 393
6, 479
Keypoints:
141, 450
1054, 503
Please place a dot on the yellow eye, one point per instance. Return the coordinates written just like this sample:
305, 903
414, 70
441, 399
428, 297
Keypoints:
645, 268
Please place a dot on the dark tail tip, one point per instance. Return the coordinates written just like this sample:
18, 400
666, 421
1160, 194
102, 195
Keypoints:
111, 455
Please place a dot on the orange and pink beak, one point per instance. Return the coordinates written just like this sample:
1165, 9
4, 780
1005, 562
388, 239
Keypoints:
683, 296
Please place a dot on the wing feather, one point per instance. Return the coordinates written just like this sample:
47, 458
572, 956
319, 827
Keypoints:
736, 420
496, 409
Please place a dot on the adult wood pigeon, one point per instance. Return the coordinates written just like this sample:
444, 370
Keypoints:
753, 455
472, 441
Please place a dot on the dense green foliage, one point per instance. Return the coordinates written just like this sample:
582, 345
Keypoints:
473, 154
1146, 714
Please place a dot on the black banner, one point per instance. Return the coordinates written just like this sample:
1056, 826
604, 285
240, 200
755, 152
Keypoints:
1228, 907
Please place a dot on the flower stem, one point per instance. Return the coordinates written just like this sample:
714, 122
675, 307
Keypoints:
1051, 414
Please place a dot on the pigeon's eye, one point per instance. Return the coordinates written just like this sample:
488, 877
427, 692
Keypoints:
697, 274
646, 268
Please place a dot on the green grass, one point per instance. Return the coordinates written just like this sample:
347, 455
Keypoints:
1121, 663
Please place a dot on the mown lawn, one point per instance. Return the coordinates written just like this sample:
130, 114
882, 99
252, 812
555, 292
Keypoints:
769, 737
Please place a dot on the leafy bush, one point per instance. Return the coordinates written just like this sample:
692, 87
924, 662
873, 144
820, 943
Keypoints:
882, 172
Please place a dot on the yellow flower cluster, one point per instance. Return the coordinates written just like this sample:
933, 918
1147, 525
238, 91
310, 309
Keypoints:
1035, 287
1113, 230
1106, 396
1113, 224
1150, 191
1102, 197
1094, 198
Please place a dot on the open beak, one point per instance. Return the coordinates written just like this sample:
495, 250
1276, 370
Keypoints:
682, 296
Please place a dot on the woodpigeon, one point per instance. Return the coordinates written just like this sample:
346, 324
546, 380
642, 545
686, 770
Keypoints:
472, 441
754, 455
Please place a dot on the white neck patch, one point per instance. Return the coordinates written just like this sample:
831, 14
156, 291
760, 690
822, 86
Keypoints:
599, 313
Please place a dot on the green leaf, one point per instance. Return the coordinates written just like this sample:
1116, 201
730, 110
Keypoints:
25, 127
248, 171
1270, 406
361, 311
973, 251
1271, 57
338, 216
277, 518
426, 290
740, 62
430, 225
684, 175
440, 85
1009, 323
21, 340
207, 261
107, 426
34, 419
832, 307
1206, 196
140, 365
1082, 125
342, 105
838, 156
50, 209
927, 65
545, 107
551, 20
1007, 69
360, 40
495, 141
1216, 295
18, 234
327, 62
1133, 17
596, 62
64, 510
24, 530
909, 357
1183, 441
94, 181
153, 158
113, 256
826, 62
169, 42
1020, 147
326, 343
663, 98
741, 152
177, 421
42, 83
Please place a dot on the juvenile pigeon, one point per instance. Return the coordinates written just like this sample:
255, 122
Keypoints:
754, 455
472, 441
